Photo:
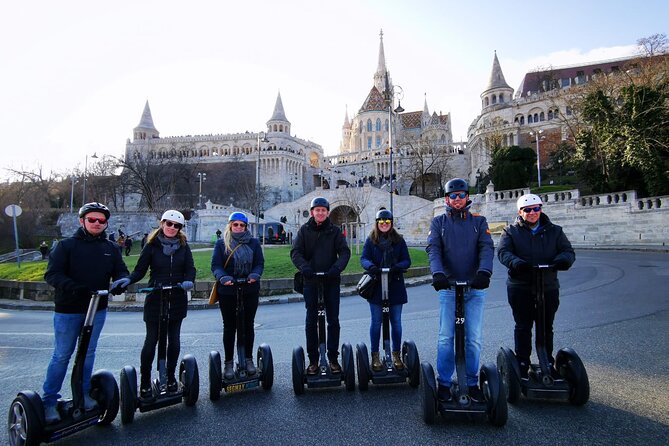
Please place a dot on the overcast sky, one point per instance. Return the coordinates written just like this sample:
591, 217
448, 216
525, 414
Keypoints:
75, 74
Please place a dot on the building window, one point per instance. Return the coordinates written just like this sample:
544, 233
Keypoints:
529, 119
522, 120
369, 125
541, 116
550, 114
494, 99
378, 125
369, 141
564, 83
536, 117
487, 101
378, 141
501, 98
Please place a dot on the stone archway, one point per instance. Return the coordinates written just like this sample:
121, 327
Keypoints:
342, 216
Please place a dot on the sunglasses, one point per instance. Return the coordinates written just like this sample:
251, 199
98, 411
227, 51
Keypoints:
460, 195
534, 209
102, 221
384, 222
238, 225
170, 224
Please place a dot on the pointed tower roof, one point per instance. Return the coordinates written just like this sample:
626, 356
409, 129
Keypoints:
496, 76
279, 114
381, 67
347, 122
374, 101
382, 76
146, 122
426, 111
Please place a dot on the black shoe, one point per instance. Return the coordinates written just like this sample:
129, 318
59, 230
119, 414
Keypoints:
334, 366
444, 393
313, 368
172, 385
145, 393
523, 370
476, 394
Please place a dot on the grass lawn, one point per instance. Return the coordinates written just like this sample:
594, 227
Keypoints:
277, 264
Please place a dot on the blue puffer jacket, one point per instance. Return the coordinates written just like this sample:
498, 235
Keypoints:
372, 255
219, 258
459, 244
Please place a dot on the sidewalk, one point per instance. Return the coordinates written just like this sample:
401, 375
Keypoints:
194, 304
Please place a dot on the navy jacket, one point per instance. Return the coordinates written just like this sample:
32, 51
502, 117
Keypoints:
320, 246
219, 258
165, 270
81, 264
459, 245
548, 245
372, 255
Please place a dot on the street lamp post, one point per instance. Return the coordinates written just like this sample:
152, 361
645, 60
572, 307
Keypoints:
86, 175
260, 139
390, 99
536, 135
72, 195
203, 177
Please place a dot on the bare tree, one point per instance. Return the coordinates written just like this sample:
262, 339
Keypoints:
425, 162
653, 45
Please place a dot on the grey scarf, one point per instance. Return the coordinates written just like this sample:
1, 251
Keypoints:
170, 245
387, 247
243, 255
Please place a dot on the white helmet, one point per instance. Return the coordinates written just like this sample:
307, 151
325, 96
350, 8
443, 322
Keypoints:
175, 216
528, 200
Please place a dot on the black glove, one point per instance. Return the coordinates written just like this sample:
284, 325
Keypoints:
307, 272
396, 269
374, 270
522, 266
334, 273
440, 282
561, 264
481, 281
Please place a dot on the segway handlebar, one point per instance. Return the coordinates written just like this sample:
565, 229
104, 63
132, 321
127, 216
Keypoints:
543, 266
462, 283
158, 288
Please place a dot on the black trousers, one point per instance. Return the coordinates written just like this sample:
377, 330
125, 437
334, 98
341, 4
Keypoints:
149, 348
228, 307
522, 301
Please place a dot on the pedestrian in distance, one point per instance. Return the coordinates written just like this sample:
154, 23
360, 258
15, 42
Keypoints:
385, 248
128, 246
44, 249
79, 266
237, 255
530, 241
459, 248
169, 258
319, 246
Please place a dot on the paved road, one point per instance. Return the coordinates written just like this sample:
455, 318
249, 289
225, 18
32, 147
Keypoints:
614, 312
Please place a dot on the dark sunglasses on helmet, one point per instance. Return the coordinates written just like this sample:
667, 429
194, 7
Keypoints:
534, 209
457, 195
169, 224
102, 221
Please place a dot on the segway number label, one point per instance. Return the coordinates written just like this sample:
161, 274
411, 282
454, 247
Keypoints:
232, 388
386, 309
321, 312
459, 320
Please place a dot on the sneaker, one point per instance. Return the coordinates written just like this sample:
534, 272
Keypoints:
250, 366
476, 394
334, 366
172, 384
313, 368
89, 403
51, 415
229, 370
444, 393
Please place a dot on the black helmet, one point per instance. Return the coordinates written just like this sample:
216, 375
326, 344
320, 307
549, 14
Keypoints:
94, 207
320, 201
457, 184
384, 214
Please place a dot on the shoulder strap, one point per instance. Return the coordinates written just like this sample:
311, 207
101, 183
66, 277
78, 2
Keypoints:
230, 256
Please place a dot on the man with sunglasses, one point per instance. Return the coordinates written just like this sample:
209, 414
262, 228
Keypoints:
459, 248
533, 240
78, 266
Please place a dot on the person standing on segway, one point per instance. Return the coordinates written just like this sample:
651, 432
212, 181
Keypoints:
237, 256
320, 246
533, 240
170, 259
385, 248
460, 248
78, 266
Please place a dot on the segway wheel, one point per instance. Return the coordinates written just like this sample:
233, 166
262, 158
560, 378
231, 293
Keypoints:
25, 420
348, 366
506, 365
266, 365
428, 392
411, 361
298, 370
128, 381
105, 391
189, 376
493, 389
215, 376
362, 364
570, 366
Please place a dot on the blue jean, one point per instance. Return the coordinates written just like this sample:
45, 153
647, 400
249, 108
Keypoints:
67, 328
474, 300
395, 316
331, 298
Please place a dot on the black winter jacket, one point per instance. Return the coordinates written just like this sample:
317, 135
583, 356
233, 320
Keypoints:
320, 246
547, 246
79, 265
165, 270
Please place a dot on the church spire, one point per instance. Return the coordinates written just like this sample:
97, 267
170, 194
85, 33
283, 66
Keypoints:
278, 122
381, 77
496, 76
146, 128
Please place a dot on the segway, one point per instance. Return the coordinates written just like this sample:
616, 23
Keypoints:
389, 374
461, 404
571, 382
26, 420
242, 380
324, 377
189, 379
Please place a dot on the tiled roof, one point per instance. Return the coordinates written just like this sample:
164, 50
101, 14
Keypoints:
374, 101
411, 120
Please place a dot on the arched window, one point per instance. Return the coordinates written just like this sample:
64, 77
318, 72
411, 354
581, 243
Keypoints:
378, 124
281, 128
541, 116
522, 120
550, 114
501, 98
378, 141
369, 126
536, 117
369, 142
529, 119
487, 101
494, 99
